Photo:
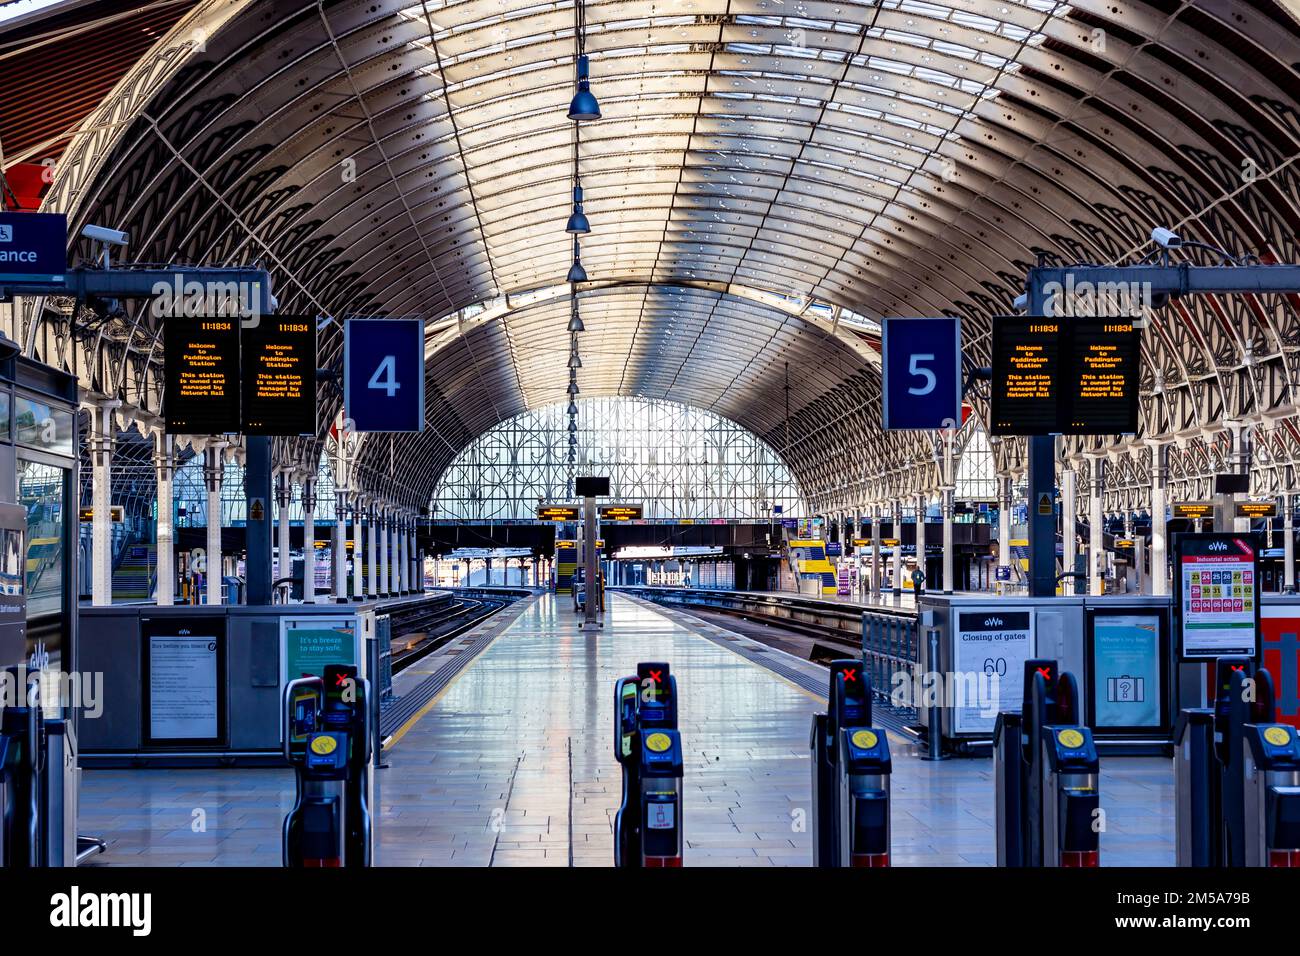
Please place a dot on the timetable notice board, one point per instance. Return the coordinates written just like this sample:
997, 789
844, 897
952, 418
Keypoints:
279, 374
1076, 376
1026, 376
201, 375
1218, 594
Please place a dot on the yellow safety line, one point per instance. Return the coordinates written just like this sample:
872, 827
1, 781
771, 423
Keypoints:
391, 740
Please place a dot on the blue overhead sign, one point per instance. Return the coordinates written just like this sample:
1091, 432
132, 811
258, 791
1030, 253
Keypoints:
33, 247
383, 374
921, 367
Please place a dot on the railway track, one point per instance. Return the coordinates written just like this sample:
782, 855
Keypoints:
821, 645
420, 633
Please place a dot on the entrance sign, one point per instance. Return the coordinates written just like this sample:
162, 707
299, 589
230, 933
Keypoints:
921, 369
33, 247
201, 375
383, 374
989, 644
1217, 594
279, 374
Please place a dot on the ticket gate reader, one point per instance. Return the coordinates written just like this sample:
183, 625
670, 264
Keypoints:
1271, 791
39, 784
1237, 775
1209, 754
648, 824
850, 775
327, 739
1046, 773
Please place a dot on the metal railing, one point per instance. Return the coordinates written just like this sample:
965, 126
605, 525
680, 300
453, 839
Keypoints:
890, 646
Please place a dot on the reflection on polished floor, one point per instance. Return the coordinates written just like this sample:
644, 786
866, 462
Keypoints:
513, 765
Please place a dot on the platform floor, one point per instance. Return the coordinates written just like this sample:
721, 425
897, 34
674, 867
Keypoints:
513, 765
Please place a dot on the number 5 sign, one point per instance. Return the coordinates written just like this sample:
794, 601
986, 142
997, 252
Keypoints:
383, 374
921, 366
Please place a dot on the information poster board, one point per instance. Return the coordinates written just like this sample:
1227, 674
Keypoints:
308, 644
184, 681
989, 650
201, 375
1217, 594
1026, 374
1129, 668
279, 376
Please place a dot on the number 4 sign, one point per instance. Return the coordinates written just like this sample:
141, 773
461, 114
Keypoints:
383, 374
921, 369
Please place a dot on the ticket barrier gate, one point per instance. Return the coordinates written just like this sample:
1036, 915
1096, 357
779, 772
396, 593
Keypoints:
327, 736
648, 824
1046, 776
850, 775
1237, 775
38, 787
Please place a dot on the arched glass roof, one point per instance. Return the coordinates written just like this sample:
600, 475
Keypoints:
768, 179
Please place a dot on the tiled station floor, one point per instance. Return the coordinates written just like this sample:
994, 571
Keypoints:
513, 766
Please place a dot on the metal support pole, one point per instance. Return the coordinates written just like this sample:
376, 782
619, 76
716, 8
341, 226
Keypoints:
949, 576
101, 527
590, 533
309, 540
1004, 528
1042, 515
382, 517
341, 509
258, 589
1069, 525
876, 566
358, 549
372, 550
164, 463
1096, 520
1288, 539
283, 495
1159, 523
898, 548
213, 468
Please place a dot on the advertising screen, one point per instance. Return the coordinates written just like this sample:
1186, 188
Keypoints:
1127, 657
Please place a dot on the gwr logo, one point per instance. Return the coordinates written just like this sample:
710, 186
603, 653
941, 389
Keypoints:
993, 622
1217, 546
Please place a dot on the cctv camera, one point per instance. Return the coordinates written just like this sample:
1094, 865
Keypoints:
1165, 238
102, 234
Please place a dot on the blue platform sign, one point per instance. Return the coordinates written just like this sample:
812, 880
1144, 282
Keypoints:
383, 374
921, 366
33, 247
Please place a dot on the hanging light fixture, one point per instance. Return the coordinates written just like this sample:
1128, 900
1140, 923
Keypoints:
573, 427
576, 272
574, 361
573, 387
584, 105
575, 320
573, 408
577, 224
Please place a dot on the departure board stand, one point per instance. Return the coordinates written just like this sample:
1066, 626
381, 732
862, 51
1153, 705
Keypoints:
1160, 281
